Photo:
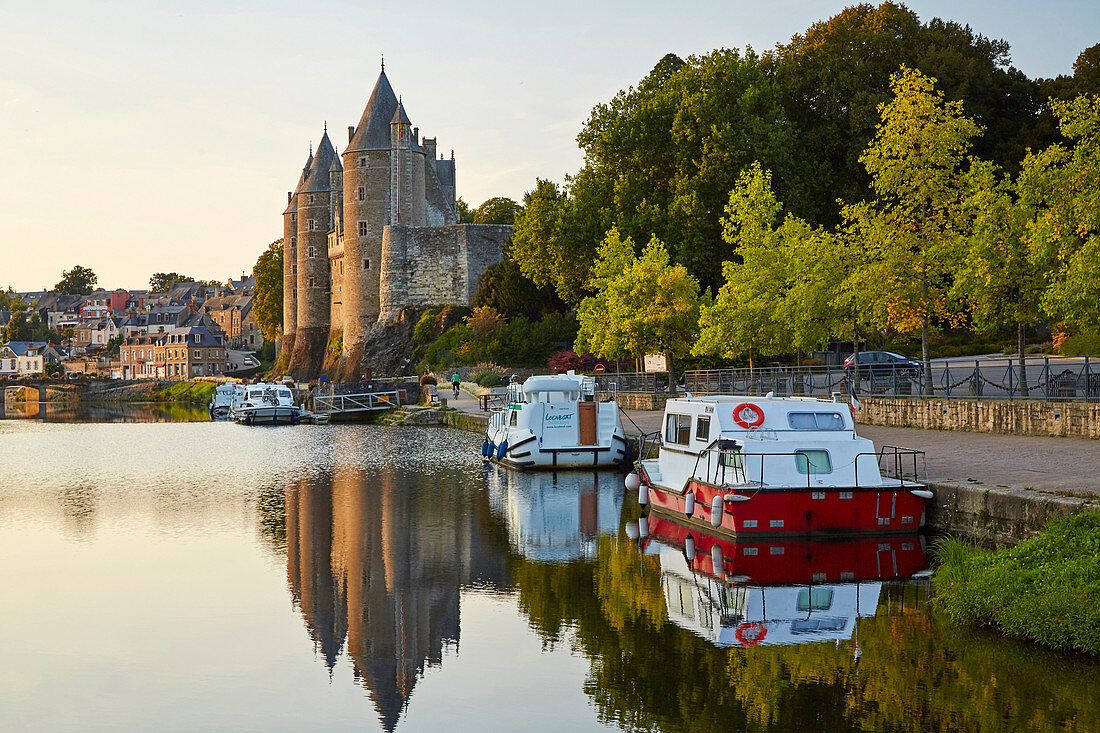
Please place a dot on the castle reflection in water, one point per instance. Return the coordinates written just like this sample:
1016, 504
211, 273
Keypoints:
376, 560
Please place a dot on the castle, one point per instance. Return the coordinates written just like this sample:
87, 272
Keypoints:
371, 232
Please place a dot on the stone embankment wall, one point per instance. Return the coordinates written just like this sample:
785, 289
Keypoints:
998, 515
1018, 417
636, 400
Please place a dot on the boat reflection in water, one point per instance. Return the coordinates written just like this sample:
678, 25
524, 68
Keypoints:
742, 594
376, 561
555, 517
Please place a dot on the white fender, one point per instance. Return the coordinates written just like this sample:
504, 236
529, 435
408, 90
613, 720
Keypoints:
689, 503
632, 530
632, 481
716, 560
643, 527
643, 494
922, 493
717, 508
736, 497
689, 548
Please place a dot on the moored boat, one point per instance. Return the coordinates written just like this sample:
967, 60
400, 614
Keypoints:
555, 422
779, 466
264, 404
222, 402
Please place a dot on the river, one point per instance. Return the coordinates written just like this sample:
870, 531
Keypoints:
172, 575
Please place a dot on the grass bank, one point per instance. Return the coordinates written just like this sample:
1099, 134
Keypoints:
1046, 589
185, 392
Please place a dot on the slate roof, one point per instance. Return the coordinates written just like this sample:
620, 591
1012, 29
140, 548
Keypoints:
316, 178
22, 347
373, 130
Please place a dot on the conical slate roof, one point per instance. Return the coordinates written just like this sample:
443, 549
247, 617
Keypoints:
373, 130
293, 205
317, 175
399, 114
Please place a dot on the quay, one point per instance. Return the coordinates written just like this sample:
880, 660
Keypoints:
993, 487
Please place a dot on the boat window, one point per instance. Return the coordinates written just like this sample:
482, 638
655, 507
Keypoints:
813, 461
732, 458
515, 416
815, 420
678, 429
285, 393
815, 599
702, 428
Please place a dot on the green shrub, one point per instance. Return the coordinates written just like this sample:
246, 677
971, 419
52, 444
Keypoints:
426, 328
1083, 344
336, 345
1046, 589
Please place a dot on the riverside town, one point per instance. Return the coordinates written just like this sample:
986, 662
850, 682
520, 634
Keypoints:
627, 367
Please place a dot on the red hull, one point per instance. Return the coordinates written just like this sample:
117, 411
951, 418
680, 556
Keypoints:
837, 510
796, 562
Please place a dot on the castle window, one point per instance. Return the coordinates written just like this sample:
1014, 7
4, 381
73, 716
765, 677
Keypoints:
311, 225
363, 162
293, 243
362, 229
294, 218
362, 193
312, 282
366, 264
313, 198
312, 252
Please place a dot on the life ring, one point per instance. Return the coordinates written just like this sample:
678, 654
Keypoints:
750, 634
739, 415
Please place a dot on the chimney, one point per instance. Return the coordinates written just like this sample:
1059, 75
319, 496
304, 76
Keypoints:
289, 196
351, 133
416, 135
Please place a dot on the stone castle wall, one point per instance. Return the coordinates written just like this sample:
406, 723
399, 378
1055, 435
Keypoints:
428, 266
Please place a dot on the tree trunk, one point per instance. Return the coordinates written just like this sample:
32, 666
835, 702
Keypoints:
1021, 345
926, 355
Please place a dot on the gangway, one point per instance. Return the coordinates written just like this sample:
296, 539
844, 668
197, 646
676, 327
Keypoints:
348, 404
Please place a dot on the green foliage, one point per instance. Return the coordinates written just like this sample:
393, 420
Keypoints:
267, 299
21, 328
1045, 589
503, 287
1083, 344
497, 210
465, 213
78, 281
426, 327
9, 301
113, 346
485, 337
185, 391
335, 345
643, 305
162, 282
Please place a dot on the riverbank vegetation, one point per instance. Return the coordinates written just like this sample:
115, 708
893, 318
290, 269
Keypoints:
1046, 589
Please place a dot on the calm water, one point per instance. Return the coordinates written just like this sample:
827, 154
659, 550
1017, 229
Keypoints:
199, 576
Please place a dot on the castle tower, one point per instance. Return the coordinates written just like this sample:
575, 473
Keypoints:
406, 172
366, 212
290, 264
314, 223
336, 247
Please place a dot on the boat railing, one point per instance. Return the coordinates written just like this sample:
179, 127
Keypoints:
891, 462
647, 442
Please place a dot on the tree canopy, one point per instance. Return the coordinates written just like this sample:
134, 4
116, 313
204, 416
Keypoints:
162, 282
78, 281
267, 299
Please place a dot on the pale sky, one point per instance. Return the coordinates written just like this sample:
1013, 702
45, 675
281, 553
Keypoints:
138, 137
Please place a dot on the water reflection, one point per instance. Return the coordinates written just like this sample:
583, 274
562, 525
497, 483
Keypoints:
112, 412
555, 517
376, 560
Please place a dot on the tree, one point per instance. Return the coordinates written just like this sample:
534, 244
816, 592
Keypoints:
10, 301
17, 329
267, 299
162, 282
465, 213
647, 305
498, 210
999, 279
504, 287
77, 281
916, 163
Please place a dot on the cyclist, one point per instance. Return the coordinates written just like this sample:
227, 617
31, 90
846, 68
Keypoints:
455, 379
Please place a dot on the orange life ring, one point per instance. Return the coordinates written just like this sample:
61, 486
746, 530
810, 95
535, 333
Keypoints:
750, 634
748, 407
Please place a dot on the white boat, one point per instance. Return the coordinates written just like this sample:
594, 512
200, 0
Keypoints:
264, 404
555, 422
222, 403
750, 466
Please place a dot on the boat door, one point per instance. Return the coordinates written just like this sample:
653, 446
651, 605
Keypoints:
586, 432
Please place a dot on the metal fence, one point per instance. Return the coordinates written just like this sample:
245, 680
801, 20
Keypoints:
1047, 378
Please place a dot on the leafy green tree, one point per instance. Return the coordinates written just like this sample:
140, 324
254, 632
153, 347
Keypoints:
162, 282
497, 210
650, 306
465, 213
998, 278
18, 328
916, 163
267, 299
10, 301
77, 281
115, 344
503, 287
1064, 184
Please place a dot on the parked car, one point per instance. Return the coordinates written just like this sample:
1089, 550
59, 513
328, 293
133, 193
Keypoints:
883, 364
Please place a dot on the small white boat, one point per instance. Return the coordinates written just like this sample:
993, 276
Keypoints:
555, 422
264, 404
222, 404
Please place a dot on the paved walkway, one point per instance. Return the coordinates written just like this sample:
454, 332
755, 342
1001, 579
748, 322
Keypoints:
1054, 465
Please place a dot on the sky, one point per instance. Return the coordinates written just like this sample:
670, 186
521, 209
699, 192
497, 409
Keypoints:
141, 137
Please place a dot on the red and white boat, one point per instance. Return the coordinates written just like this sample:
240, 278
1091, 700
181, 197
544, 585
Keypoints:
778, 591
778, 466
